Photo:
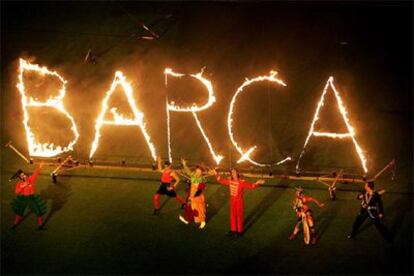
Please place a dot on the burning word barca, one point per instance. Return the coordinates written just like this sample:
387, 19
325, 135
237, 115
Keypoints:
38, 149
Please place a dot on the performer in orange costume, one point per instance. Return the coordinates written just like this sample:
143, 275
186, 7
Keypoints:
196, 196
237, 187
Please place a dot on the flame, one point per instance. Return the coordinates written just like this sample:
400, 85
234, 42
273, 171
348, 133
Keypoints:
193, 108
216, 157
35, 148
119, 119
171, 106
245, 155
349, 134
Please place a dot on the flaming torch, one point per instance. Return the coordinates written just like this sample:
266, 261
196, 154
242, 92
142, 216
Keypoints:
349, 134
36, 148
245, 155
119, 119
171, 106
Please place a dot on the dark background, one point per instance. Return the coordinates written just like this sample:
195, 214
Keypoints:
366, 46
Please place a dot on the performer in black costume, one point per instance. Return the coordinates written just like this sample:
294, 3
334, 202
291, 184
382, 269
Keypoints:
371, 206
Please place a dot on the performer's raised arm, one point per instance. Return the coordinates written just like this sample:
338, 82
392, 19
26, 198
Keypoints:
220, 180
159, 165
37, 172
185, 167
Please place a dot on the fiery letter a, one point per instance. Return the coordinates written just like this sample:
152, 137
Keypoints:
118, 119
348, 135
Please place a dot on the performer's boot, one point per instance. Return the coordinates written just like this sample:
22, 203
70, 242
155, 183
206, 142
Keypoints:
40, 224
17, 221
295, 232
231, 233
156, 204
202, 225
313, 234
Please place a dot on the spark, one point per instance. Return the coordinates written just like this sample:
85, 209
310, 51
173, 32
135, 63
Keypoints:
36, 148
245, 155
171, 106
119, 119
342, 110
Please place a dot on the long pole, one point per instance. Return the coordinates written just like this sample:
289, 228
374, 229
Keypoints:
9, 145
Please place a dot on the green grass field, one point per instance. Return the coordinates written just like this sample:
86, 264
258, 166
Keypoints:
101, 222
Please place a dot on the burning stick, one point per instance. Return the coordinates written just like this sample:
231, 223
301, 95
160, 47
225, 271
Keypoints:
332, 187
69, 158
9, 145
391, 165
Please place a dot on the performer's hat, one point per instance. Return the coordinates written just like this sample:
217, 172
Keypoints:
299, 189
16, 175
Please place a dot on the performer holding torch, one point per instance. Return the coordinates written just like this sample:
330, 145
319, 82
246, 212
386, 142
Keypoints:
167, 177
304, 213
236, 187
196, 197
371, 206
25, 196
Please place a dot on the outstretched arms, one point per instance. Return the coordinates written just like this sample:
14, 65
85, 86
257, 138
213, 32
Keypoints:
311, 199
220, 180
255, 185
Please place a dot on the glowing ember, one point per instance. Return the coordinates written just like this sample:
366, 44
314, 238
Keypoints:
35, 148
171, 106
245, 155
118, 119
349, 134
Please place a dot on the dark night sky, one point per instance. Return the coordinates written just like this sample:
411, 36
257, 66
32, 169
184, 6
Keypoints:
366, 45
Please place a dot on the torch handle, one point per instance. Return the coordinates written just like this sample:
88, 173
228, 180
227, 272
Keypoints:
61, 165
18, 152
391, 163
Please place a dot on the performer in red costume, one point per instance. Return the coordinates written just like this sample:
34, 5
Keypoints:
301, 207
167, 177
237, 187
25, 196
